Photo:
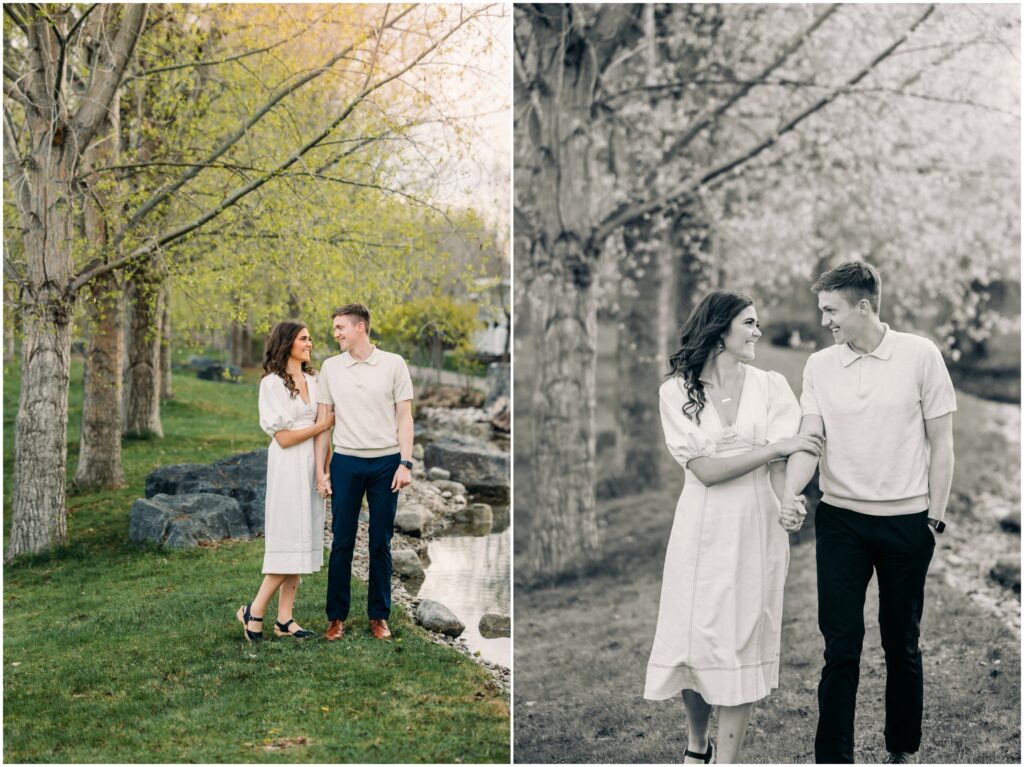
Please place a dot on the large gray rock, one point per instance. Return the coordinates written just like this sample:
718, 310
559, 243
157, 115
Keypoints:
407, 564
478, 517
437, 473
1006, 571
481, 468
494, 625
436, 617
181, 521
414, 520
242, 477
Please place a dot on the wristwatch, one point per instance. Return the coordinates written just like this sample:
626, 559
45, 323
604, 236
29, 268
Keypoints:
406, 464
937, 525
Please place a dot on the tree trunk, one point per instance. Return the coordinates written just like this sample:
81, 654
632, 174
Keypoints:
38, 514
569, 46
562, 411
43, 187
99, 457
99, 454
247, 350
142, 375
694, 264
166, 383
644, 328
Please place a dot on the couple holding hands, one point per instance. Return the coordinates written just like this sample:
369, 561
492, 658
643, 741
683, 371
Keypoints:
366, 395
875, 414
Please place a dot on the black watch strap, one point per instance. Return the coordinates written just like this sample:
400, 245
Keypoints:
938, 525
406, 464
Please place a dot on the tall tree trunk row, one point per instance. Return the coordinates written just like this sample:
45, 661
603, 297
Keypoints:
142, 373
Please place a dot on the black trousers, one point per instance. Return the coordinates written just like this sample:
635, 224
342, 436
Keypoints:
849, 547
351, 479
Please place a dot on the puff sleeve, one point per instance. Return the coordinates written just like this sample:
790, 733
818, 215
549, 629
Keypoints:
276, 411
783, 409
683, 437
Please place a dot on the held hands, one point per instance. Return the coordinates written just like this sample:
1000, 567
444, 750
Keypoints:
323, 485
792, 514
801, 443
403, 478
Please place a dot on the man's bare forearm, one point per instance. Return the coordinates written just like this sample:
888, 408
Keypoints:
940, 467
405, 432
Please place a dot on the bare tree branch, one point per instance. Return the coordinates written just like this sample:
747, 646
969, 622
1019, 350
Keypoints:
101, 91
13, 92
166, 191
703, 120
64, 42
616, 220
226, 60
37, 90
154, 244
14, 171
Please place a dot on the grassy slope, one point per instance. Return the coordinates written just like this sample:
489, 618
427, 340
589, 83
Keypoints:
113, 653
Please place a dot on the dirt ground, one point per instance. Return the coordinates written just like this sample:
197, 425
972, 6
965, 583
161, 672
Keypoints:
581, 649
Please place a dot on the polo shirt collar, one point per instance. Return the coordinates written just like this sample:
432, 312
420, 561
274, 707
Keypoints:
373, 359
883, 351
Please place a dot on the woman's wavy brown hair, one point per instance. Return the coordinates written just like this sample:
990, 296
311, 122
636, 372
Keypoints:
279, 349
698, 341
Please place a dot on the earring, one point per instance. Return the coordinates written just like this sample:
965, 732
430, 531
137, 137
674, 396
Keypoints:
720, 346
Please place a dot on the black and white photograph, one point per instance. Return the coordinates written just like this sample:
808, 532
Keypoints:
766, 383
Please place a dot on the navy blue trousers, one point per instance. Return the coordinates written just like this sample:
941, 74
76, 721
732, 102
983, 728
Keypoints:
351, 479
849, 547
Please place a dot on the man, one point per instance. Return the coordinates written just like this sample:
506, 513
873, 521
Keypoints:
371, 393
884, 402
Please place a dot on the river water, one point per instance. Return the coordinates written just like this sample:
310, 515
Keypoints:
470, 571
470, 575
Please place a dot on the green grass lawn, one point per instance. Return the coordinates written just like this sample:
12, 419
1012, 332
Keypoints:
115, 653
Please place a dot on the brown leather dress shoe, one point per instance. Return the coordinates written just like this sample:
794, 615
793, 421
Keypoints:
379, 628
335, 630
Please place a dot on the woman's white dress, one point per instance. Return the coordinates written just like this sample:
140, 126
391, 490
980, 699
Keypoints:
720, 618
294, 518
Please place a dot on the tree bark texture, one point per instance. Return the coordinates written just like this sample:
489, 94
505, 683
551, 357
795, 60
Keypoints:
99, 455
555, 88
41, 178
142, 372
38, 515
562, 411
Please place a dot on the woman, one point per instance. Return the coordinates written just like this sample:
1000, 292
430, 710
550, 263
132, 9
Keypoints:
730, 426
294, 519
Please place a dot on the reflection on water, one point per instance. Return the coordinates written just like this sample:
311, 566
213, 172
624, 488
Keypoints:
470, 575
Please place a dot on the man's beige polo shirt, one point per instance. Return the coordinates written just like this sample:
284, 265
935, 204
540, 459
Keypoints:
874, 407
364, 394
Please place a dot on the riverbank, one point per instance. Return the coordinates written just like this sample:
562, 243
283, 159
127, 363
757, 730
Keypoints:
114, 653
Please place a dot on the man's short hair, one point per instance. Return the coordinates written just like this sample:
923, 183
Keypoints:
858, 279
359, 311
